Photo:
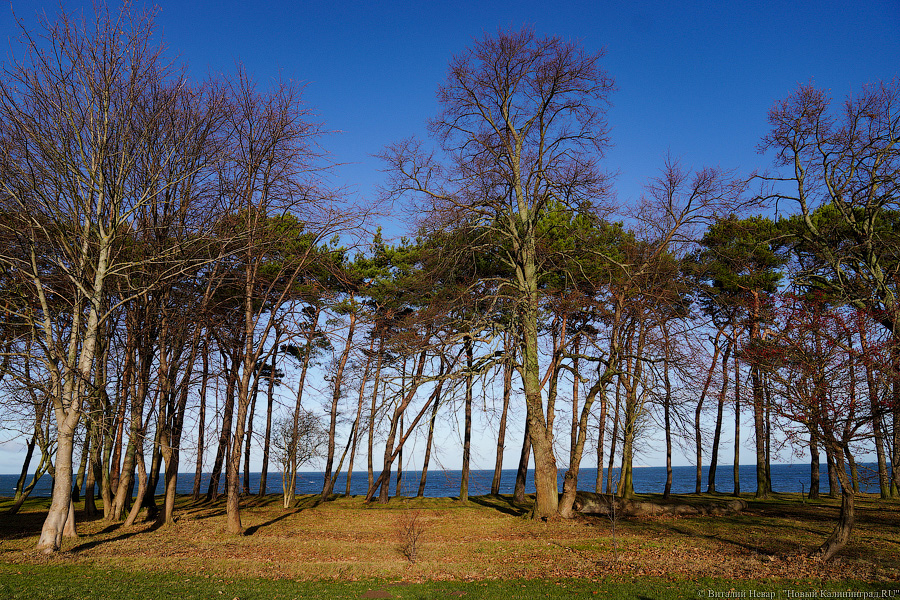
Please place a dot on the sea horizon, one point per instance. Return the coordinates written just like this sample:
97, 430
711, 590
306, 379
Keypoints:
786, 477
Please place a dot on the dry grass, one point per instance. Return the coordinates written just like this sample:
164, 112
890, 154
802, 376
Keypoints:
486, 538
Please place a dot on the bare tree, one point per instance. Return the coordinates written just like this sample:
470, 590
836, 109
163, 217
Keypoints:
522, 126
78, 119
841, 170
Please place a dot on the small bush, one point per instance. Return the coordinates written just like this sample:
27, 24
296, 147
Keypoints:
409, 530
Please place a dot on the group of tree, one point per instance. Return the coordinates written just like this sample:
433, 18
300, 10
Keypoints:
169, 253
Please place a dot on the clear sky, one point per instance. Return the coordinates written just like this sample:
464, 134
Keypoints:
693, 78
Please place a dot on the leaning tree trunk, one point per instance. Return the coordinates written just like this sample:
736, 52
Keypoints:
390, 453
522, 470
371, 436
501, 430
212, 492
717, 434
142, 488
426, 460
846, 518
698, 411
467, 433
833, 476
270, 403
429, 442
546, 486
813, 467
613, 441
737, 425
60, 521
667, 417
359, 407
248, 439
570, 480
201, 422
759, 429
337, 381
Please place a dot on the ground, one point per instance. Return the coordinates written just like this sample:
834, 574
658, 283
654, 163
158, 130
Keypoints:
487, 538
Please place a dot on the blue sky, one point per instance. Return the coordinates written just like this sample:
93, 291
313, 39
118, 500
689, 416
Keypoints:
693, 78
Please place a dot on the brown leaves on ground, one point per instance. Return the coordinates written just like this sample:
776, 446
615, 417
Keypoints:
483, 539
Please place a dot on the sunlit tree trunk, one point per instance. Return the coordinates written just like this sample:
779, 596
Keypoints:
698, 411
501, 428
467, 428
717, 434
337, 380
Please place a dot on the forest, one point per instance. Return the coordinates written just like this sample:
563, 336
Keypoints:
172, 258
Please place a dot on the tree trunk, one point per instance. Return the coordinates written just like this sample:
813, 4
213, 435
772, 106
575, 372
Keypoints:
44, 466
359, 408
428, 444
667, 417
94, 467
631, 379
833, 476
501, 430
298, 404
82, 466
613, 441
847, 517
570, 480
384, 478
522, 470
212, 492
698, 411
371, 441
601, 432
854, 473
254, 392
398, 491
121, 407
142, 487
201, 421
270, 403
546, 487
389, 452
884, 486
328, 486
737, 424
467, 432
813, 467
717, 434
895, 408
759, 430
232, 475
23, 474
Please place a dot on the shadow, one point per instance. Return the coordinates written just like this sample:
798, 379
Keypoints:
255, 528
203, 514
500, 504
22, 524
95, 543
716, 537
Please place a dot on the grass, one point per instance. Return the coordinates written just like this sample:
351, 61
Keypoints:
85, 582
483, 548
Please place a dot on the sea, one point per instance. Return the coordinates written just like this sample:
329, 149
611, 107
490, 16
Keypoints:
446, 483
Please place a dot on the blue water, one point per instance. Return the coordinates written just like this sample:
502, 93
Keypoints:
445, 483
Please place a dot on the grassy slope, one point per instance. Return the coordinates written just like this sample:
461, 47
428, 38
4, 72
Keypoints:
484, 549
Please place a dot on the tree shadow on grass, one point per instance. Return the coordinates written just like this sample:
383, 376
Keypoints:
124, 536
270, 522
748, 543
503, 504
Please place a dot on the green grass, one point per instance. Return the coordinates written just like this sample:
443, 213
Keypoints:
480, 549
75, 582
